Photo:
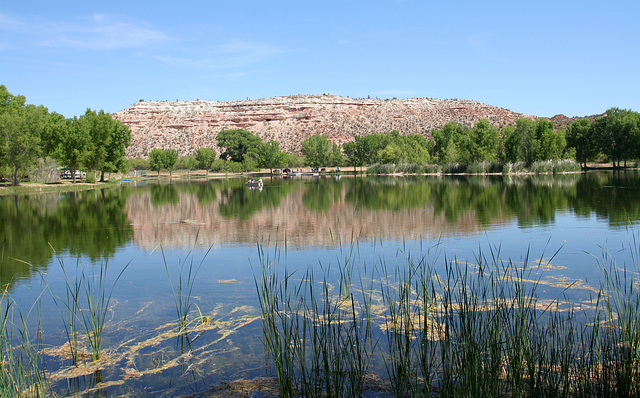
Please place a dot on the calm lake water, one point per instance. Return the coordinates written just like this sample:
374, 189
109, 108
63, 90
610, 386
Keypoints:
216, 229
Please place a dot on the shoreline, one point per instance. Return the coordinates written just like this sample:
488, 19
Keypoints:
7, 189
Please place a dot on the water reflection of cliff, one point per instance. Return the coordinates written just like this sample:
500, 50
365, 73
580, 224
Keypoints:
323, 211
303, 213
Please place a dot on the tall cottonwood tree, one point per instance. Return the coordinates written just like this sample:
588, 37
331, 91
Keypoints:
161, 159
109, 139
21, 127
619, 134
581, 136
238, 145
205, 158
450, 143
73, 150
270, 155
317, 150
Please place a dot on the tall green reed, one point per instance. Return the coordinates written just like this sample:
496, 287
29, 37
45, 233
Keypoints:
316, 332
87, 299
22, 371
450, 328
182, 291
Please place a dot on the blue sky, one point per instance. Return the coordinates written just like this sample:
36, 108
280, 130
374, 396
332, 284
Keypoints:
536, 57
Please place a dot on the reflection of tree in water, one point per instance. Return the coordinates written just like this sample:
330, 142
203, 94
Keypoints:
321, 196
239, 201
90, 223
612, 196
164, 194
389, 193
206, 193
532, 199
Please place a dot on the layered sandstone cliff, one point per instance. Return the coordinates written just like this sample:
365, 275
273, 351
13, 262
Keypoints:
189, 125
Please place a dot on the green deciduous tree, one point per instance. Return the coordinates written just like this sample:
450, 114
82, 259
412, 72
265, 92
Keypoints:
483, 142
526, 129
160, 159
552, 142
582, 137
235, 144
73, 149
120, 140
109, 140
187, 163
511, 144
205, 158
337, 158
270, 155
451, 143
317, 150
618, 134
351, 154
21, 128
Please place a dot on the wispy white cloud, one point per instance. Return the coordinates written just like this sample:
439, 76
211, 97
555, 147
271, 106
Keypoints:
9, 23
98, 32
231, 54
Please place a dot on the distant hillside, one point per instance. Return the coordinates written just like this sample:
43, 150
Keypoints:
189, 125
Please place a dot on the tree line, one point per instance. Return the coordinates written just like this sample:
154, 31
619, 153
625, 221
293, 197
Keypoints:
32, 137
613, 137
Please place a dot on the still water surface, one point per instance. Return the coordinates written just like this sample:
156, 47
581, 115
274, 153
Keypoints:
215, 228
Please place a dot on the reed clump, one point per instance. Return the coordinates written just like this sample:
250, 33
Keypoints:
22, 371
444, 327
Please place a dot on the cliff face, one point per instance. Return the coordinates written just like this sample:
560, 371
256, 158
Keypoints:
189, 125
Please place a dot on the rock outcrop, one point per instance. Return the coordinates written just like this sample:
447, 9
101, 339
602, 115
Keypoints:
189, 125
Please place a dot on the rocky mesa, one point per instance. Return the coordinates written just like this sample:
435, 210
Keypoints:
189, 125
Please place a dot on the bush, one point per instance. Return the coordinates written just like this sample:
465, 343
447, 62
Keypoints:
293, 160
512, 168
90, 178
543, 166
432, 169
138, 164
454, 168
566, 166
233, 167
484, 167
44, 171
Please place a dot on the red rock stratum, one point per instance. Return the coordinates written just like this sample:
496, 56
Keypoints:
189, 125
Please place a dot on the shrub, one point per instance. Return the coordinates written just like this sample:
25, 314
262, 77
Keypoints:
512, 168
566, 166
218, 166
233, 167
138, 164
454, 168
543, 166
432, 168
44, 171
